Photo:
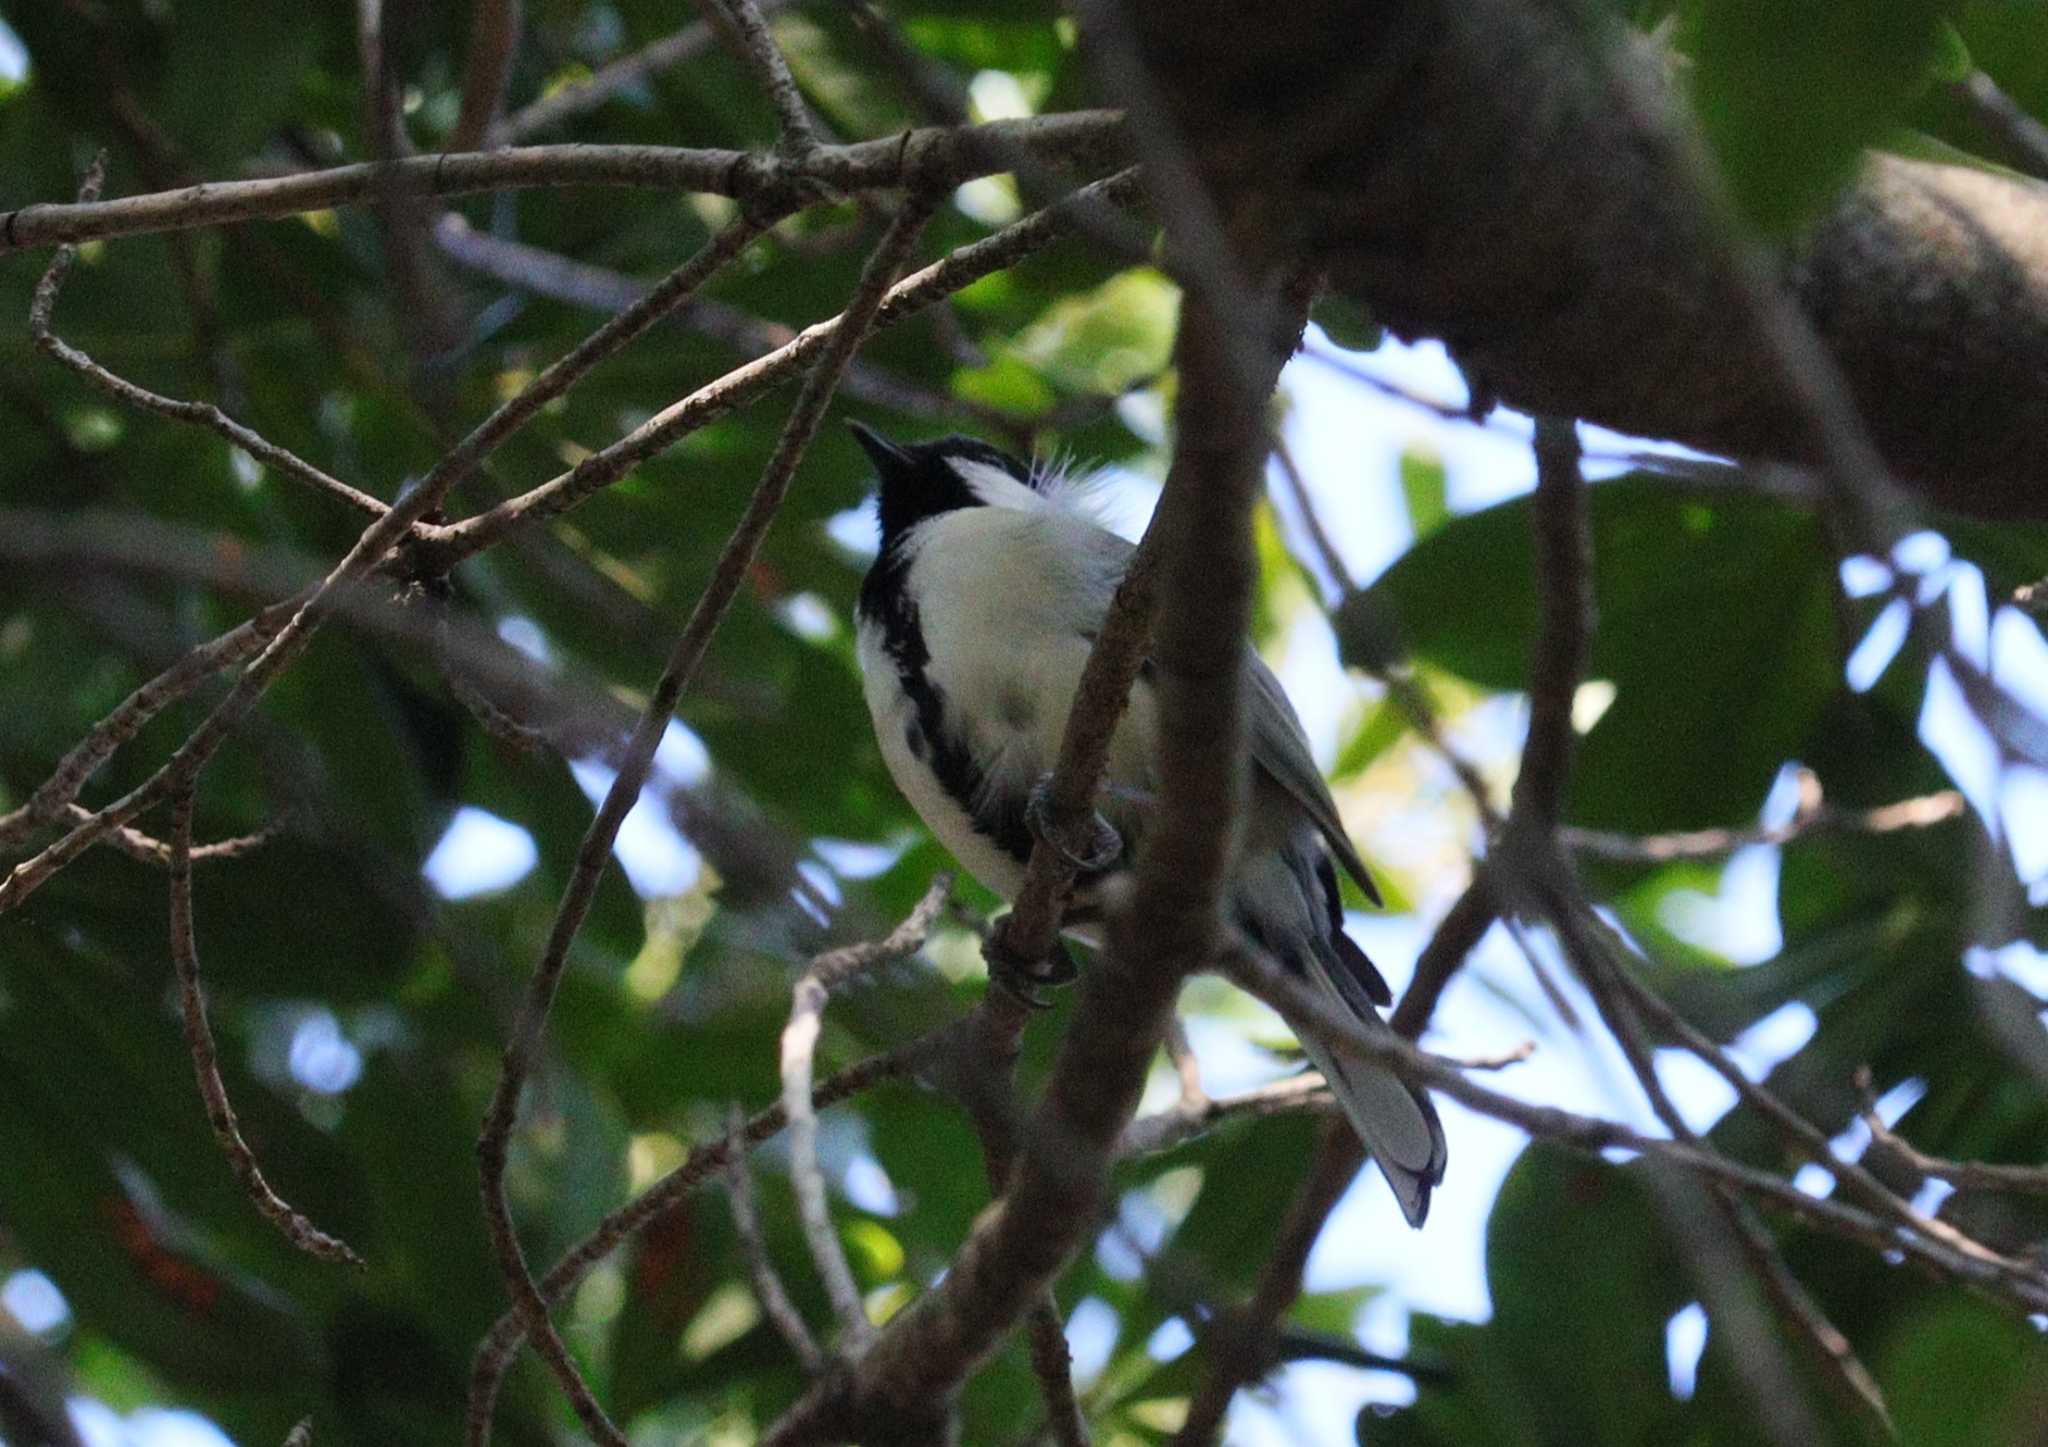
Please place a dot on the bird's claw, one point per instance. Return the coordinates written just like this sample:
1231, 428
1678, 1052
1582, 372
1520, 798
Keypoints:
1028, 981
1099, 847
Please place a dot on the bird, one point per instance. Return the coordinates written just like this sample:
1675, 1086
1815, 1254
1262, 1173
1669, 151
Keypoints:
973, 625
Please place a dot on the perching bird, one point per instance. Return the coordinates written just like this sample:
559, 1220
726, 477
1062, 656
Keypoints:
974, 625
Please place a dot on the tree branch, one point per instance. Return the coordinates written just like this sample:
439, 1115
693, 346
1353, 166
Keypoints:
493, 46
622, 74
1562, 254
925, 159
1241, 1342
1562, 545
2018, 1285
203, 414
494, 1354
1963, 1175
220, 1112
799, 138
522, 1050
184, 766
970, 263
799, 1043
746, 1220
1921, 813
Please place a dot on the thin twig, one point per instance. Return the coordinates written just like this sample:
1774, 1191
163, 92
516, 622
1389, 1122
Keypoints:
1920, 813
741, 385
728, 574
657, 1203
1191, 1117
1457, 934
1052, 1362
799, 1044
1964, 1175
49, 800
1801, 1134
799, 138
146, 849
202, 414
220, 1113
622, 74
290, 641
746, 1220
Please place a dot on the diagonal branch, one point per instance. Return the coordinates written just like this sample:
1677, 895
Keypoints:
741, 385
203, 414
1241, 1342
579, 283
523, 1049
622, 74
495, 1353
50, 799
2019, 1286
377, 540
799, 138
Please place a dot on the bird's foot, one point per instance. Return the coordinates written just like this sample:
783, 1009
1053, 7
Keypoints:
1024, 979
1090, 848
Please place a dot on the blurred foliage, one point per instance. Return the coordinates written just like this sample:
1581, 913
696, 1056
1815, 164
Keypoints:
1722, 633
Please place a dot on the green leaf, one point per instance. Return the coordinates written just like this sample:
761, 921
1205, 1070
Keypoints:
1423, 481
1583, 1282
1789, 92
1715, 625
1960, 1373
1347, 322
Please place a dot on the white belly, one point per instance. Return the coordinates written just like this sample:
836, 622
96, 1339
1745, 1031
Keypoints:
992, 577
894, 716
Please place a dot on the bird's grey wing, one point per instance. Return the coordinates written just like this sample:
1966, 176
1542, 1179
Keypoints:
1281, 749
1277, 743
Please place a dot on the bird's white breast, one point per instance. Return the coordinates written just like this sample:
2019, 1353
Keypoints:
1007, 602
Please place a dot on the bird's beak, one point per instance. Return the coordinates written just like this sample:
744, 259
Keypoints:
886, 455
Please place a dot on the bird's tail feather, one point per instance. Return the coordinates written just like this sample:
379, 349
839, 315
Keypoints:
1397, 1122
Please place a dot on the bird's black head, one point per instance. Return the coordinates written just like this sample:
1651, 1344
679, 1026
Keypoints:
922, 479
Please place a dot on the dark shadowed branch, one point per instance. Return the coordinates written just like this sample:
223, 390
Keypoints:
493, 45
220, 1113
1241, 1341
623, 74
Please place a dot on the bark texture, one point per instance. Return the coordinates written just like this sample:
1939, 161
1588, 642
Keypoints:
1467, 170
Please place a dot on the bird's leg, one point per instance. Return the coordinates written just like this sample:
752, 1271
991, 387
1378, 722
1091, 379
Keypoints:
1029, 980
1090, 848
